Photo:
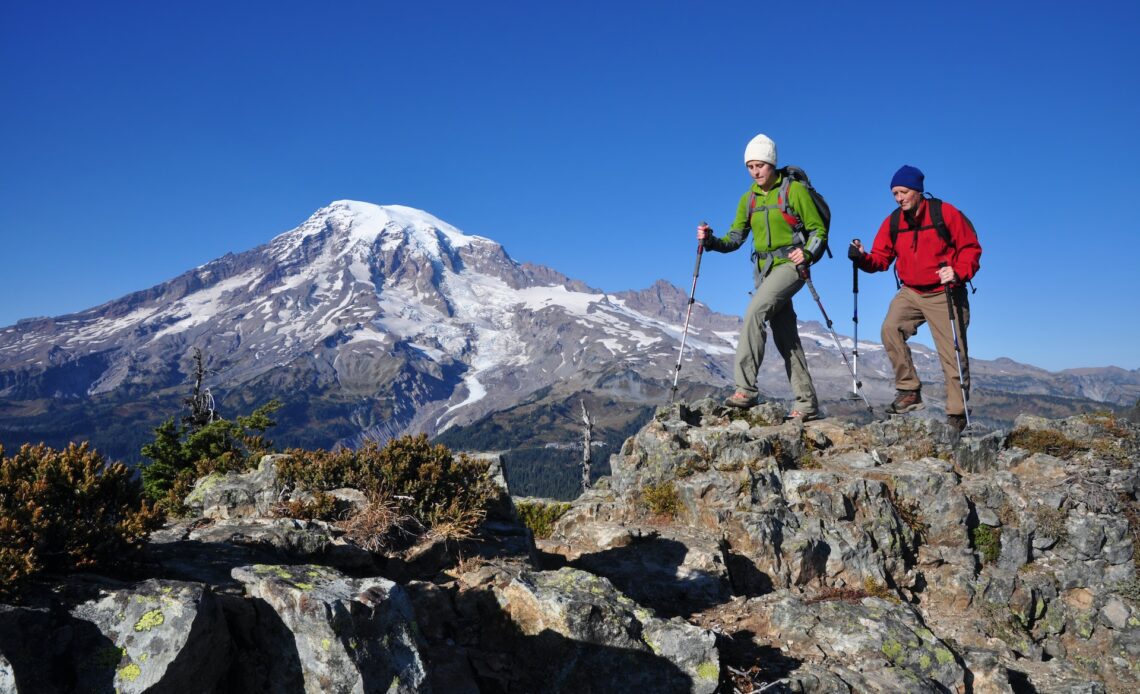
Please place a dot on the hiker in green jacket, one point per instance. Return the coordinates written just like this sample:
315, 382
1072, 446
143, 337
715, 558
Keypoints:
778, 250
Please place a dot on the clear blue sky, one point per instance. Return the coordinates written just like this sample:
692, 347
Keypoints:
141, 139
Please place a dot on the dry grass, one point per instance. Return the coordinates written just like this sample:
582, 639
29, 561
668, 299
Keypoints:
909, 512
1046, 441
460, 525
380, 525
321, 507
872, 588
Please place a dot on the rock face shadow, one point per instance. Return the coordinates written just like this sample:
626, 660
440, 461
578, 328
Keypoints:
51, 651
256, 630
740, 650
551, 662
651, 572
745, 578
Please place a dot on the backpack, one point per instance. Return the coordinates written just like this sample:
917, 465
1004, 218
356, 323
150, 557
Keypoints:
938, 224
799, 233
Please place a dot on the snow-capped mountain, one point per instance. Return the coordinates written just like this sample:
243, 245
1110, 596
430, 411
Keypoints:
371, 320
384, 317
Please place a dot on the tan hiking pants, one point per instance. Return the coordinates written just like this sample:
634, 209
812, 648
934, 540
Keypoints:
772, 305
909, 310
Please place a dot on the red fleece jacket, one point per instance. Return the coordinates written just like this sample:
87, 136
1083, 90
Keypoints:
920, 251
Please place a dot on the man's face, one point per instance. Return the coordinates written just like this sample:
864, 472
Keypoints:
762, 172
906, 198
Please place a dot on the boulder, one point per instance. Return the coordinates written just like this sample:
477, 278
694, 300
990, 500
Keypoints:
99, 635
590, 637
238, 495
349, 634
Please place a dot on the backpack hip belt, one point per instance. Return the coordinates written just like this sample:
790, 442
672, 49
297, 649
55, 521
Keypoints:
764, 260
924, 288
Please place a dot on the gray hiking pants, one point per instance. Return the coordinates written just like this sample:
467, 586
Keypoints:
909, 310
772, 305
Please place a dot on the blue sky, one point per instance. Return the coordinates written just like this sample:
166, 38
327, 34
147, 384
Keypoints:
141, 139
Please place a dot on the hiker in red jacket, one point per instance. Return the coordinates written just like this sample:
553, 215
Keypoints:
935, 249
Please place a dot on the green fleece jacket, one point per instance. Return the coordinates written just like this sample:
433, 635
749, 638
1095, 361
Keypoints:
770, 230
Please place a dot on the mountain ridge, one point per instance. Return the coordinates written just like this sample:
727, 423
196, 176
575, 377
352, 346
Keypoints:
370, 321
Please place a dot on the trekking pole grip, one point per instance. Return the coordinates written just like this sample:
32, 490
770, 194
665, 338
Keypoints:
949, 285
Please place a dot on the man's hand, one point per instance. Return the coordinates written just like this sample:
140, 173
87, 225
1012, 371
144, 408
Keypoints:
946, 274
855, 250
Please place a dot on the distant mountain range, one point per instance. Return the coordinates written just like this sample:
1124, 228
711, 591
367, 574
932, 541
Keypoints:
371, 321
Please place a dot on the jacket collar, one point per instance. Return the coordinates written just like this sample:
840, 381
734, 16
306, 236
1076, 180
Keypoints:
775, 186
919, 215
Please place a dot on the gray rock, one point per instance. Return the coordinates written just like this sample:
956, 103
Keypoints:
592, 638
287, 538
238, 495
350, 634
855, 459
1115, 614
7, 676
38, 645
1086, 535
163, 635
674, 571
1015, 549
1053, 677
980, 454
987, 516
882, 640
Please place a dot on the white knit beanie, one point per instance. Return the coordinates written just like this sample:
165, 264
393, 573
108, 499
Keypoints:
760, 148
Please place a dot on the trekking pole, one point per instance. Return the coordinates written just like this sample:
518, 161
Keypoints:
805, 275
688, 314
952, 309
855, 385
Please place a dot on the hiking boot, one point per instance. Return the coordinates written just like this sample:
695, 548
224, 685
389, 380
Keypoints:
741, 399
956, 421
804, 416
906, 401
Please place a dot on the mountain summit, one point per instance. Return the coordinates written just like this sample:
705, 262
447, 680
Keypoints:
367, 320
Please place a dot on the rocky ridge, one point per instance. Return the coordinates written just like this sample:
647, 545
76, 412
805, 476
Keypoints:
727, 552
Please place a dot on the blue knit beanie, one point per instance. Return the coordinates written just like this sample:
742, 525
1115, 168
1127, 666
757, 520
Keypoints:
908, 177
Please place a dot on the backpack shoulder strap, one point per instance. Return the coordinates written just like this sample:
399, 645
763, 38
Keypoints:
785, 204
785, 186
896, 218
939, 222
944, 231
751, 210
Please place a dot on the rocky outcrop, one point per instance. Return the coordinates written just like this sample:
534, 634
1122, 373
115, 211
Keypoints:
898, 556
727, 552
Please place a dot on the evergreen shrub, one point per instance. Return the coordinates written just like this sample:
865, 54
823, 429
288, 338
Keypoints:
416, 479
180, 453
540, 517
662, 499
62, 510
